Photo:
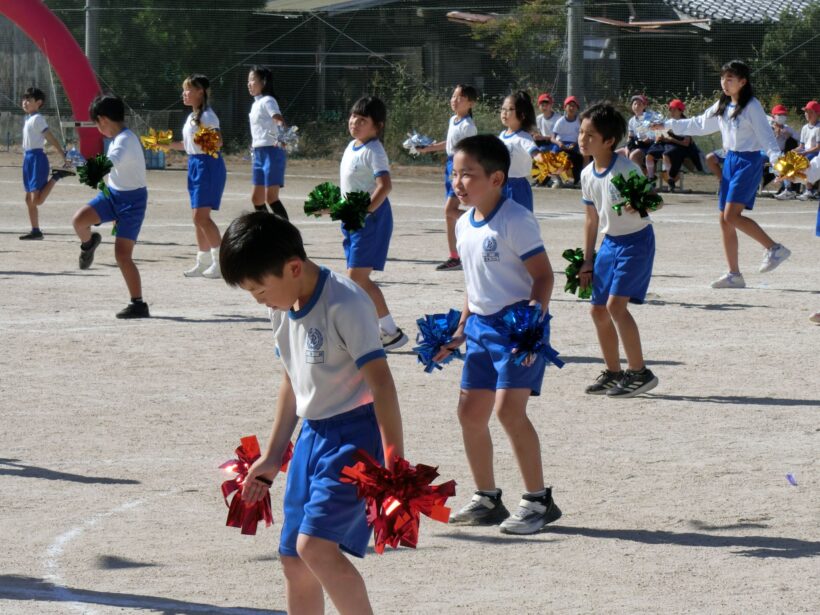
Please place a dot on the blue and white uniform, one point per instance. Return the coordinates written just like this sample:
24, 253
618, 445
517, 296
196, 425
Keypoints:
35, 162
492, 252
206, 174
269, 159
567, 131
360, 166
457, 130
127, 186
323, 347
810, 138
623, 266
636, 132
743, 139
522, 148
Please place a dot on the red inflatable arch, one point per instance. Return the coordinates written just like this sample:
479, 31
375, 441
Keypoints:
65, 56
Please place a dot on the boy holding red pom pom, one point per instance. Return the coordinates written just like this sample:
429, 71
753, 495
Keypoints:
337, 380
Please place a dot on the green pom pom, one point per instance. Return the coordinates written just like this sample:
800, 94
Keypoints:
352, 212
573, 285
637, 191
94, 170
326, 196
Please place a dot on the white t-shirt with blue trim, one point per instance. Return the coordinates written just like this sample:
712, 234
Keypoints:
324, 345
457, 130
598, 191
128, 158
810, 135
208, 119
263, 127
567, 131
522, 147
636, 127
361, 165
493, 251
34, 132
546, 124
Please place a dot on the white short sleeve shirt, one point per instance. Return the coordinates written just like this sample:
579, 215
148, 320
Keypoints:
263, 128
598, 191
567, 131
457, 130
34, 130
810, 136
361, 165
208, 119
521, 146
126, 153
493, 251
546, 124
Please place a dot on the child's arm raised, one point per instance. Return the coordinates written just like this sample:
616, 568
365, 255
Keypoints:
378, 377
438, 146
267, 466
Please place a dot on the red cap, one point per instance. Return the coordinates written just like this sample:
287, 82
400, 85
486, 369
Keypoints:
779, 110
812, 105
641, 98
677, 104
544, 98
571, 99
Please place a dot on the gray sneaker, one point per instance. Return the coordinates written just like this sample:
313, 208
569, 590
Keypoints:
532, 515
482, 510
773, 257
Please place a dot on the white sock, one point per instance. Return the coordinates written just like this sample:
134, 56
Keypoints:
388, 325
650, 166
203, 257
215, 256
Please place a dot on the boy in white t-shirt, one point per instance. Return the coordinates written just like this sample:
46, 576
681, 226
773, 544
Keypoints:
623, 266
124, 203
505, 266
810, 143
336, 379
36, 181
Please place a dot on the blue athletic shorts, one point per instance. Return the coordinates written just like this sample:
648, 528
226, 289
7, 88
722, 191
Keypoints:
35, 170
269, 166
623, 266
488, 363
316, 502
127, 208
811, 156
206, 181
368, 246
742, 172
448, 174
519, 190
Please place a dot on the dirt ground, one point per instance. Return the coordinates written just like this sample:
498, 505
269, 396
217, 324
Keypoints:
674, 502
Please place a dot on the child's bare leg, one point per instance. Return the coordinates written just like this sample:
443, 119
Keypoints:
733, 214
82, 221
338, 576
258, 196
361, 275
475, 407
207, 232
730, 244
607, 337
123, 251
637, 156
31, 205
511, 409
714, 166
451, 216
618, 308
42, 193
304, 591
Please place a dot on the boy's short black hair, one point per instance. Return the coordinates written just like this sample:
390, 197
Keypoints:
488, 151
34, 94
107, 105
257, 244
607, 120
372, 107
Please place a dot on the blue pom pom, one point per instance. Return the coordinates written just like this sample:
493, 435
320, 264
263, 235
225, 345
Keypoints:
436, 330
528, 333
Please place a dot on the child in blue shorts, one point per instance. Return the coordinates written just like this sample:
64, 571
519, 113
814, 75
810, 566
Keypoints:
623, 266
36, 181
505, 265
337, 380
124, 204
365, 167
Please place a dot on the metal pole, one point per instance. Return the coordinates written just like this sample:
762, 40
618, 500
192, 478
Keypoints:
321, 68
575, 48
92, 34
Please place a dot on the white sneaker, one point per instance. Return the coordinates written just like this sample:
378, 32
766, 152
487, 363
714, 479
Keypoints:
392, 341
808, 195
730, 280
202, 263
213, 271
773, 257
786, 195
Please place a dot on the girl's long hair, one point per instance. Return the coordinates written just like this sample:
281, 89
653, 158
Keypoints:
524, 110
200, 82
741, 71
266, 77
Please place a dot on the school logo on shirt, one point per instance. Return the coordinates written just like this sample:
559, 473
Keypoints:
313, 346
490, 250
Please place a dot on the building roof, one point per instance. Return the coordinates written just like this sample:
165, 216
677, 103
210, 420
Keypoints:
738, 11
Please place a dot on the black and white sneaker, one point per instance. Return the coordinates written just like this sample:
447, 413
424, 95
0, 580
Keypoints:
451, 264
58, 174
604, 382
634, 383
87, 253
392, 341
533, 515
138, 309
33, 235
482, 510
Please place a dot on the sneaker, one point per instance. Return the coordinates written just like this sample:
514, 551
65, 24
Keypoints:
392, 341
634, 383
730, 280
32, 235
87, 254
58, 174
451, 264
605, 381
213, 271
197, 270
482, 510
786, 195
774, 257
808, 195
671, 185
532, 515
815, 318
134, 310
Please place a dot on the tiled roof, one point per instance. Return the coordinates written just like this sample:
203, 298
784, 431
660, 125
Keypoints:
738, 11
